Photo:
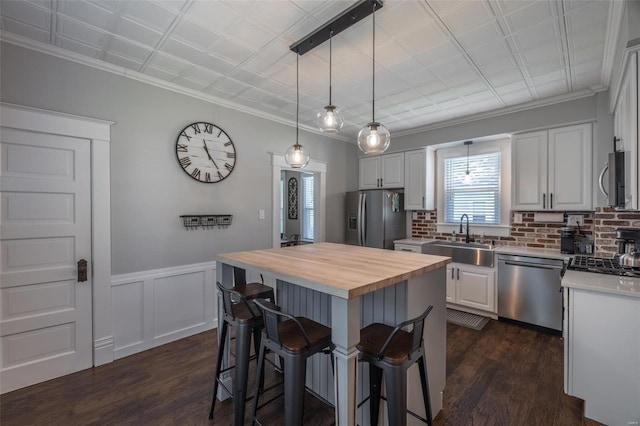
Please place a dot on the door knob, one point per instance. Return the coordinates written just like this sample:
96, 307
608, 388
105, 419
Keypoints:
82, 270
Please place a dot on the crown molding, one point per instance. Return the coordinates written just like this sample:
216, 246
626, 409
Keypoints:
504, 111
614, 25
153, 81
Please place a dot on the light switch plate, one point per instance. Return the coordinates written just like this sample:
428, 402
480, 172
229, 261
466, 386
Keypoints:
261, 214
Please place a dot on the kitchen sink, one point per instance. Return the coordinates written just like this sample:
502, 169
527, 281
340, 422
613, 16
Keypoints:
469, 253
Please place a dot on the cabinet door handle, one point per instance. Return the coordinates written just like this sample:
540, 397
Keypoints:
423, 202
551, 200
544, 201
457, 273
452, 273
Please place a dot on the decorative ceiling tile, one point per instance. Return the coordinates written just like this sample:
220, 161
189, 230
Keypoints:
26, 13
80, 32
89, 13
191, 33
435, 60
150, 14
137, 32
25, 30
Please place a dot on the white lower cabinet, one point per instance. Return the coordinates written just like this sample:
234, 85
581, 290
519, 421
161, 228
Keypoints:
471, 286
602, 354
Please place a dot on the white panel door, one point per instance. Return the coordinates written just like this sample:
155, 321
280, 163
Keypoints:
45, 229
476, 287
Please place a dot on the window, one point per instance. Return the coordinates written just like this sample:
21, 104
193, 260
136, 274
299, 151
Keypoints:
307, 192
476, 194
485, 197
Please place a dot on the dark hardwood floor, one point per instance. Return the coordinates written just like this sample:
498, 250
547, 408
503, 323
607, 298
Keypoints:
502, 375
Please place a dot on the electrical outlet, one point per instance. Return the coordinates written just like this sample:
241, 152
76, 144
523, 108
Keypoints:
517, 218
575, 220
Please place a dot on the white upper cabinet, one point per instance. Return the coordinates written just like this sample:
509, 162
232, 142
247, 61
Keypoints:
626, 131
552, 169
382, 171
419, 174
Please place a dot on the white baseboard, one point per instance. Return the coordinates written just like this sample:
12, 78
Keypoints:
103, 351
151, 308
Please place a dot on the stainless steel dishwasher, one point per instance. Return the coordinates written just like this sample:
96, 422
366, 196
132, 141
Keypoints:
529, 290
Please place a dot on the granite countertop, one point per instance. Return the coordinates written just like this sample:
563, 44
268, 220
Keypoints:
340, 270
534, 252
414, 241
603, 283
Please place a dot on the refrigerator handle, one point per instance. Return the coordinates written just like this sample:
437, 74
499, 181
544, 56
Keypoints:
359, 221
363, 220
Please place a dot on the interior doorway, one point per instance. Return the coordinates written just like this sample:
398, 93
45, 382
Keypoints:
312, 180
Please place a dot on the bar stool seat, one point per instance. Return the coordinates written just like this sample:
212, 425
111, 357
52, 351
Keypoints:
242, 314
390, 351
294, 339
251, 290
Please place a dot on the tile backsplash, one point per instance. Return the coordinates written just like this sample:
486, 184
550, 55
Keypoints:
599, 225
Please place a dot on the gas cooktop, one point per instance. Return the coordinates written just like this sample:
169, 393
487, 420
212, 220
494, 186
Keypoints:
601, 265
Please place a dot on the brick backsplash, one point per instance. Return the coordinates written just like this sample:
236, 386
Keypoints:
606, 221
525, 234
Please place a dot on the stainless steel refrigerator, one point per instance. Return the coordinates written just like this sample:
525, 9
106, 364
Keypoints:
375, 218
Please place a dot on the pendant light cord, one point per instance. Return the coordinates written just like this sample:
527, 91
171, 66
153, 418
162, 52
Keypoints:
373, 68
330, 61
297, 96
468, 145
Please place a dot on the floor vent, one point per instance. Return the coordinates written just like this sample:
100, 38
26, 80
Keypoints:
466, 319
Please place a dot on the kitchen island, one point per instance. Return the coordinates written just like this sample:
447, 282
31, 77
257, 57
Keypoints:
346, 288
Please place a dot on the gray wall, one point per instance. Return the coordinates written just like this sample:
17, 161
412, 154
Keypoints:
149, 190
593, 108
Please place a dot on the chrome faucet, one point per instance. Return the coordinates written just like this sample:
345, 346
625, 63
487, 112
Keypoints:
467, 238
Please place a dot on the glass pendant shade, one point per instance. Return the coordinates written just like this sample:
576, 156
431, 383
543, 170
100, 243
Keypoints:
374, 138
297, 157
330, 119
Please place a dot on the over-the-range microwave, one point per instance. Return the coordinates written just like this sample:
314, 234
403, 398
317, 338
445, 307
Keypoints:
614, 189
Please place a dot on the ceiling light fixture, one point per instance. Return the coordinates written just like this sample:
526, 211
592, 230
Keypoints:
297, 157
374, 138
467, 176
330, 119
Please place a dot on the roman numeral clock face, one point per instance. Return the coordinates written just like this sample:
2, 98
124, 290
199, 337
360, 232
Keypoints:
205, 152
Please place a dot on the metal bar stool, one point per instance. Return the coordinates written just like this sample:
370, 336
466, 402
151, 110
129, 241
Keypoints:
245, 317
390, 352
251, 290
294, 339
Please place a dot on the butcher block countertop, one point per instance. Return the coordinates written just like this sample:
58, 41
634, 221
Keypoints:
339, 270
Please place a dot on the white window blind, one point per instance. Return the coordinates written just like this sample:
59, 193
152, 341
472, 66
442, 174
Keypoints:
307, 207
477, 195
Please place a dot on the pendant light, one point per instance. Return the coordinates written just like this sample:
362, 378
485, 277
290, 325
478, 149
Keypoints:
330, 119
374, 138
297, 157
467, 176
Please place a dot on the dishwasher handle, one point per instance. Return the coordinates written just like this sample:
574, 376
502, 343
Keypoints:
531, 265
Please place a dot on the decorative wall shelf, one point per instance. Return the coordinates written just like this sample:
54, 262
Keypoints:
206, 221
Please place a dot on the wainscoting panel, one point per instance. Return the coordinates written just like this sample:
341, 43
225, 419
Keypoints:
151, 308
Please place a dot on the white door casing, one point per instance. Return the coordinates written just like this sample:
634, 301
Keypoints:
51, 203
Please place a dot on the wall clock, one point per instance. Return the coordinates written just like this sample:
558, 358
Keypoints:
205, 152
